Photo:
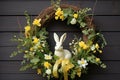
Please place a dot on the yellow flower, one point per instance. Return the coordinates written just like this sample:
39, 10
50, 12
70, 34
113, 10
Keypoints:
27, 28
100, 51
47, 65
83, 45
62, 17
97, 59
56, 17
59, 14
75, 15
79, 72
39, 71
96, 46
36, 22
31, 49
36, 40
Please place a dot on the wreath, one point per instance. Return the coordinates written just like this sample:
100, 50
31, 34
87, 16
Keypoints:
61, 63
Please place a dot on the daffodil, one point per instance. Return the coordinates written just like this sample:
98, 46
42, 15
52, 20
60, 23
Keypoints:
62, 17
36, 22
35, 40
82, 63
83, 45
47, 57
59, 14
47, 65
39, 71
75, 15
27, 28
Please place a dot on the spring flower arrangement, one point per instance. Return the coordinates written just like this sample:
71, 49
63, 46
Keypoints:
60, 63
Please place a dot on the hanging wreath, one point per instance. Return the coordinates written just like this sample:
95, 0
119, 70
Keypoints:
61, 63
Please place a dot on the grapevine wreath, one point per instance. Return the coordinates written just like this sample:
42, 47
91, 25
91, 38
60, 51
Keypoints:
62, 63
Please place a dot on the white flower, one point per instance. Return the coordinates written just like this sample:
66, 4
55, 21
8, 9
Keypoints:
70, 44
92, 47
73, 21
48, 71
47, 57
43, 44
83, 63
42, 50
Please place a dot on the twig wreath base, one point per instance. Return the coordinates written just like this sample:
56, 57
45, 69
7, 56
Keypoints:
61, 63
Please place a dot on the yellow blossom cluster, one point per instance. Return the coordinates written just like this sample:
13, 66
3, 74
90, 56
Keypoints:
59, 14
83, 45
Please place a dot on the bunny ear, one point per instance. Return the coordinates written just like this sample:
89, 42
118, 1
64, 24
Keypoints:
56, 38
63, 37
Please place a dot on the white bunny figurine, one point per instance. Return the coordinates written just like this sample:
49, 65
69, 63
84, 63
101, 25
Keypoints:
59, 51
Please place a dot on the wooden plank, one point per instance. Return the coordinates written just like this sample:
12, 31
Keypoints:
21, 77
14, 66
108, 7
17, 23
6, 52
38, 77
111, 37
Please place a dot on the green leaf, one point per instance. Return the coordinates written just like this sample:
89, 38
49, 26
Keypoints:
67, 12
82, 24
35, 60
23, 68
34, 67
91, 36
69, 19
103, 65
14, 54
23, 62
85, 32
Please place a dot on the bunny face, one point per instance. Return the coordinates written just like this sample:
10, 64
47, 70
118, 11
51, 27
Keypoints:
59, 46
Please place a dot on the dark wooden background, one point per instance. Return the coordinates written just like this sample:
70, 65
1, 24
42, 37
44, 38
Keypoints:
107, 19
